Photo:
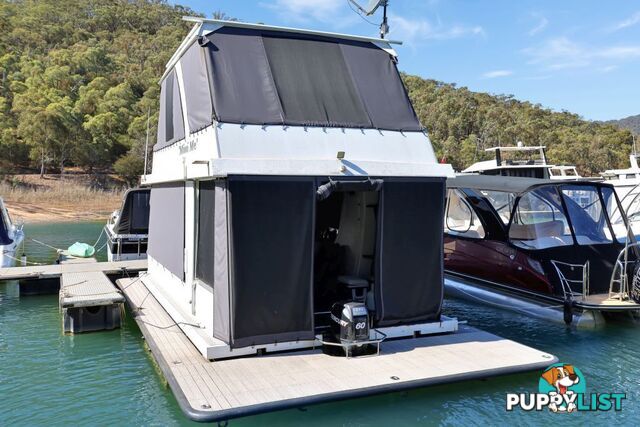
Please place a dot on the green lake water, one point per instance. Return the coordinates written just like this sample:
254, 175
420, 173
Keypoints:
108, 378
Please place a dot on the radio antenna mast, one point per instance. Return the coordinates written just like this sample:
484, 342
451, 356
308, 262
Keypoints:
371, 8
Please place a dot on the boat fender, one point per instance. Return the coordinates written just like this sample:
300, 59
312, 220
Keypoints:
568, 312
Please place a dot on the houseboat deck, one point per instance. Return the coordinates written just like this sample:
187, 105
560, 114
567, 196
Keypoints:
224, 389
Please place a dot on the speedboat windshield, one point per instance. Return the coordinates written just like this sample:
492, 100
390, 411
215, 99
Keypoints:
552, 216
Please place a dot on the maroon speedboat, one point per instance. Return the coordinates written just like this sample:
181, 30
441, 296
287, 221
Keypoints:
543, 247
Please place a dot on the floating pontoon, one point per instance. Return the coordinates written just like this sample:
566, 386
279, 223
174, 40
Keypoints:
296, 204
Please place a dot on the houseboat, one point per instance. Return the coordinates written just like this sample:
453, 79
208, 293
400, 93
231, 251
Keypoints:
523, 161
11, 237
293, 191
127, 230
543, 247
292, 184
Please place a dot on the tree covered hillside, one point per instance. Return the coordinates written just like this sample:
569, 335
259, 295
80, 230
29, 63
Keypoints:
462, 124
78, 79
632, 123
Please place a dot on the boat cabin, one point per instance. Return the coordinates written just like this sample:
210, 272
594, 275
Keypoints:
624, 180
540, 239
520, 161
128, 228
563, 172
291, 174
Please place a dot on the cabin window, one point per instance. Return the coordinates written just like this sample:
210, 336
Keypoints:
631, 176
460, 219
170, 119
539, 221
502, 202
588, 217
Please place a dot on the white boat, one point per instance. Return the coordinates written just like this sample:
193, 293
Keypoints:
522, 161
287, 162
624, 180
11, 237
127, 230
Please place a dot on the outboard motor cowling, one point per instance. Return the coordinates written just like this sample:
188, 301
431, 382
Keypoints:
350, 322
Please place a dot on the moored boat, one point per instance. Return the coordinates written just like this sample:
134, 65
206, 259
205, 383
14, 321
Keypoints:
536, 245
522, 161
11, 237
128, 228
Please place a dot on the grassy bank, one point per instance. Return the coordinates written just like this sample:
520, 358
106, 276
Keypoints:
74, 197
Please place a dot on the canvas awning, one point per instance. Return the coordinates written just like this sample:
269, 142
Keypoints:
266, 77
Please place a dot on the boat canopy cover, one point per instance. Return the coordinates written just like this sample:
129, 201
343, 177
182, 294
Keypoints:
267, 77
511, 184
134, 214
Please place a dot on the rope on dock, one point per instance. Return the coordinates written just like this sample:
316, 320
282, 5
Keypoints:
137, 309
6, 253
99, 237
44, 244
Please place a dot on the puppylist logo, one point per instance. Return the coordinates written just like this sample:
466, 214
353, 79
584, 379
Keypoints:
562, 388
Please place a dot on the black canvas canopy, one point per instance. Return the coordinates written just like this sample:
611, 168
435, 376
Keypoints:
511, 184
256, 246
134, 214
261, 77
4, 233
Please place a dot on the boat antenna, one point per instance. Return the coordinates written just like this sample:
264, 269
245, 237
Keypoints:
146, 143
370, 9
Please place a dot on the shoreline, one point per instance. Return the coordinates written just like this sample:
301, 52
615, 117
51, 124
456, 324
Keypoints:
54, 198
30, 213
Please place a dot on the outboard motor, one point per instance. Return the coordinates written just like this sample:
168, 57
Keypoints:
350, 322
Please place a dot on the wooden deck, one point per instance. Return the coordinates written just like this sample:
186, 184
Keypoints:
220, 390
56, 270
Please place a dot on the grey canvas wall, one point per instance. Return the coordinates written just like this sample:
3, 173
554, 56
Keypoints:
166, 226
272, 258
409, 260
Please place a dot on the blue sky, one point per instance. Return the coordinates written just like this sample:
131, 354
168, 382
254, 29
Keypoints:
582, 56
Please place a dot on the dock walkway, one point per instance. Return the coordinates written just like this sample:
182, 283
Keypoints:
88, 289
224, 389
56, 270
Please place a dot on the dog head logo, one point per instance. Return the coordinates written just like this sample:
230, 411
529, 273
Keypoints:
562, 382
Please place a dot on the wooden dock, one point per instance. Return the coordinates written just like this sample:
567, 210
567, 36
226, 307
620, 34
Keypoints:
225, 389
56, 270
